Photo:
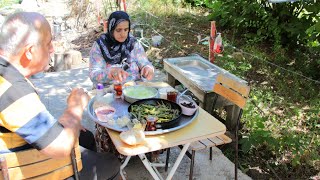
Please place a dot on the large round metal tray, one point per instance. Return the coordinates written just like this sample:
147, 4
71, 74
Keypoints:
122, 106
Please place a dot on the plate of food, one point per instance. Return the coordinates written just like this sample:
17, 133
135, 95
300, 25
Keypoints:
167, 112
108, 113
107, 116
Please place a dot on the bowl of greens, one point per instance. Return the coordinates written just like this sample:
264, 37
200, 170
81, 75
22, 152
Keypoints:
167, 112
134, 93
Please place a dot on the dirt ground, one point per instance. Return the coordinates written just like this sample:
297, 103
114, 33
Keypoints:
155, 54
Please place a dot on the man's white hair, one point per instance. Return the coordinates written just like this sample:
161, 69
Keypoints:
19, 30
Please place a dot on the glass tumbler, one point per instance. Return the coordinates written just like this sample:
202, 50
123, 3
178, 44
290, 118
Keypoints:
151, 123
172, 95
117, 86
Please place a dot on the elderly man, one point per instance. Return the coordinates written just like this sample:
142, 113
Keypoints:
25, 47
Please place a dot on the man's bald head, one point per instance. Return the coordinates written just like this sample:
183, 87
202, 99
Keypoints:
21, 29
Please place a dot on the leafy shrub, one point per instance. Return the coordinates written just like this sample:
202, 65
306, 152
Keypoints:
290, 30
285, 24
4, 3
281, 119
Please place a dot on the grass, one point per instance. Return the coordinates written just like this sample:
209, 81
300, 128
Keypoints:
281, 122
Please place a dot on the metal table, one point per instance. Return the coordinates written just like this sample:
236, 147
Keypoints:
199, 75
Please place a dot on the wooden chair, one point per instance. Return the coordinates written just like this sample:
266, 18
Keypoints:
31, 164
235, 92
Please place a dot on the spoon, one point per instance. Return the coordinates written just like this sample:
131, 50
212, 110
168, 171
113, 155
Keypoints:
182, 93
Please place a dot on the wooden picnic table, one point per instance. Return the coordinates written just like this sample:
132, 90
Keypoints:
202, 127
205, 126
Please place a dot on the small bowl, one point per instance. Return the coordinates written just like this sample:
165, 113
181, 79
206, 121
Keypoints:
105, 113
188, 105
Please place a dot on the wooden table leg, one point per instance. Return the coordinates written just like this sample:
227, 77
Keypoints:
232, 115
209, 102
232, 111
172, 80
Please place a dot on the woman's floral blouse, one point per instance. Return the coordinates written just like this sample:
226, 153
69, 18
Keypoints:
99, 68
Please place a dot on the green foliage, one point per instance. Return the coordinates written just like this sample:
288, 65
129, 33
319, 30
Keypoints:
283, 135
4, 3
281, 121
282, 118
284, 24
160, 7
290, 30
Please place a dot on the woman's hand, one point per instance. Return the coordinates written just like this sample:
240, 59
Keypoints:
147, 72
117, 73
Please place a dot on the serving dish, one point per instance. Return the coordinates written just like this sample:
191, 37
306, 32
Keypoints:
121, 107
187, 104
105, 113
172, 109
137, 92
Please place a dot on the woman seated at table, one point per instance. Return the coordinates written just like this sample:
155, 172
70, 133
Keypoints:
117, 55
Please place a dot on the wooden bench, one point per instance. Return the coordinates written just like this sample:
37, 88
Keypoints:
209, 143
31, 164
204, 144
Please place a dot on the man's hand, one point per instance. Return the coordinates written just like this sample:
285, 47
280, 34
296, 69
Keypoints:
147, 72
71, 122
77, 101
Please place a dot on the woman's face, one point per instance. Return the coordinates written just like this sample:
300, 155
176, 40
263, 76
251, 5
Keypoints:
120, 33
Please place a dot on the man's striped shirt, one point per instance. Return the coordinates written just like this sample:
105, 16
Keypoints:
24, 120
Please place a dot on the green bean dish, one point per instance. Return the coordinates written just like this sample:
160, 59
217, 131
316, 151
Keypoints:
163, 111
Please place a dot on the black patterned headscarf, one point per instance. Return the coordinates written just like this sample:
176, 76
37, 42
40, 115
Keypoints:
113, 51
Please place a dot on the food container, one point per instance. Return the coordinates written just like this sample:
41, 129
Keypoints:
105, 113
174, 107
163, 92
103, 101
187, 104
134, 93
